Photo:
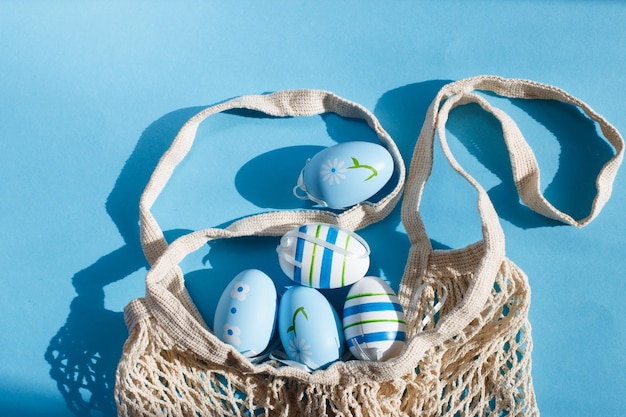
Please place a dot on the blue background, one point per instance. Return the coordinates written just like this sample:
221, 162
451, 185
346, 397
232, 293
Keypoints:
92, 93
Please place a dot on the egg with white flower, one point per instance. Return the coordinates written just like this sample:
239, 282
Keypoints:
324, 256
309, 328
373, 320
346, 174
246, 312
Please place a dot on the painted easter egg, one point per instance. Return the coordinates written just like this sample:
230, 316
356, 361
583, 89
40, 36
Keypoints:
345, 174
246, 312
309, 328
321, 255
373, 320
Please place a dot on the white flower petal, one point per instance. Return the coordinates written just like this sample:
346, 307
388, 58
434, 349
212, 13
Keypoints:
231, 335
239, 291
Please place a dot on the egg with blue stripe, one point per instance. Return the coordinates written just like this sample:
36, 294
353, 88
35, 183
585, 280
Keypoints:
373, 320
324, 256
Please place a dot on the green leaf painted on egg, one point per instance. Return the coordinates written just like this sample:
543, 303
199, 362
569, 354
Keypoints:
357, 164
292, 328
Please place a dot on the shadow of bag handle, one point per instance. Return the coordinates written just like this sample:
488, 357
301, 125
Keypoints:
288, 103
525, 173
166, 298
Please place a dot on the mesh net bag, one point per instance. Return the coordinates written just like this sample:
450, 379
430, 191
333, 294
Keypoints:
472, 359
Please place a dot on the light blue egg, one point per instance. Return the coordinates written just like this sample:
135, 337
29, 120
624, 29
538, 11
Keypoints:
309, 328
345, 174
246, 312
373, 320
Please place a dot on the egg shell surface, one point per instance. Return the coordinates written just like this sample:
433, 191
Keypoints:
348, 173
309, 327
373, 320
323, 256
246, 312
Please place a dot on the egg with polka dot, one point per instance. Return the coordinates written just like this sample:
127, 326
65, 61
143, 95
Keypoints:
245, 315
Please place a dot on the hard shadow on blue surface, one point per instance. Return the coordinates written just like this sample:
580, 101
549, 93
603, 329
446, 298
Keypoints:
582, 154
84, 353
283, 165
228, 257
400, 112
278, 193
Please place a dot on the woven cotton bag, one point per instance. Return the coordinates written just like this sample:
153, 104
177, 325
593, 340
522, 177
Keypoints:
473, 359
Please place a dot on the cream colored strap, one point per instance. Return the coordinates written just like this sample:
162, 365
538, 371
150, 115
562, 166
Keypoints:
166, 298
523, 161
164, 291
283, 104
525, 173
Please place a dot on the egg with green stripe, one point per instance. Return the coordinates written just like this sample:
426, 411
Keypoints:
321, 255
373, 320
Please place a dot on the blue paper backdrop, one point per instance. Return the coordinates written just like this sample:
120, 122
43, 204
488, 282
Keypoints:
92, 93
